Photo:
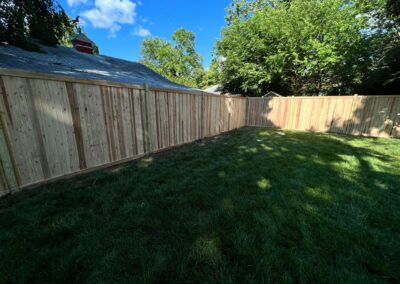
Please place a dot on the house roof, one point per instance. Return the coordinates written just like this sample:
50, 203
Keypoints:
215, 89
219, 90
70, 62
82, 37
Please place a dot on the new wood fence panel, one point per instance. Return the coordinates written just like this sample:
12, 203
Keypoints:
128, 123
172, 119
395, 118
8, 181
382, 120
228, 110
50, 102
376, 116
3, 185
22, 128
186, 118
52, 127
94, 128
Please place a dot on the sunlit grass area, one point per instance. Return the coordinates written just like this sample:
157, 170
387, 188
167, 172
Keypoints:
253, 206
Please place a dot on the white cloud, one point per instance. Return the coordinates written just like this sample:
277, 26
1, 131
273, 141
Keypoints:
113, 31
140, 31
110, 14
72, 3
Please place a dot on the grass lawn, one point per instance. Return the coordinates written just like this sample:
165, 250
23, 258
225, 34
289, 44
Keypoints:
253, 206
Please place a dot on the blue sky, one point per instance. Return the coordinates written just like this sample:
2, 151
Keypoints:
119, 26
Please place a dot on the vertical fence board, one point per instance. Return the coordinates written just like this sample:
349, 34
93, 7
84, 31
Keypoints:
137, 108
395, 130
376, 116
58, 127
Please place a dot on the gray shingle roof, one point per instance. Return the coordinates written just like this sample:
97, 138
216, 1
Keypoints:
69, 62
82, 37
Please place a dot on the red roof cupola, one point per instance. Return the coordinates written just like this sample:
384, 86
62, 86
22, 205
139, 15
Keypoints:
83, 44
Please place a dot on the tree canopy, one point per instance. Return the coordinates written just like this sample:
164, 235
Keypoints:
293, 47
307, 47
393, 8
177, 60
24, 20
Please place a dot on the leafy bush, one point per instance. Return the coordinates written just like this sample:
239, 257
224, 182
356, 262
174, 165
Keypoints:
308, 47
23, 21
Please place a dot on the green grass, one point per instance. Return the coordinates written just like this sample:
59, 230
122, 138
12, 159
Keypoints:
254, 206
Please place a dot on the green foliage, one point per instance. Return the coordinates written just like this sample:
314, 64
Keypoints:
256, 206
240, 10
302, 47
24, 20
393, 9
213, 74
383, 75
178, 60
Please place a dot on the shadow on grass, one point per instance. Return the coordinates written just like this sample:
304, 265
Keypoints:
253, 206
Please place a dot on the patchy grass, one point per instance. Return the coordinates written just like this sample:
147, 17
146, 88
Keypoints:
253, 206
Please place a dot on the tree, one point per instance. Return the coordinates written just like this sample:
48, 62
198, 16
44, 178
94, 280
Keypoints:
300, 47
240, 10
213, 74
24, 20
177, 60
383, 75
393, 9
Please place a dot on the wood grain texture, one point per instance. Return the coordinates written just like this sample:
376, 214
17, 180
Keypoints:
76, 124
9, 179
56, 127
60, 127
375, 116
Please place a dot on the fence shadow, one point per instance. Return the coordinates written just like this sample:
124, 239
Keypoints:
356, 115
253, 206
370, 118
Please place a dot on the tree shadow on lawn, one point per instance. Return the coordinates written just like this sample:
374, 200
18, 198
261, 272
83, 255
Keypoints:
255, 206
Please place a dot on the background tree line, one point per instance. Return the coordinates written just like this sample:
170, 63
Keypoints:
293, 47
311, 47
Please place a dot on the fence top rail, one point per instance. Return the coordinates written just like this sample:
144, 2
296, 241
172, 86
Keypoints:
326, 97
72, 79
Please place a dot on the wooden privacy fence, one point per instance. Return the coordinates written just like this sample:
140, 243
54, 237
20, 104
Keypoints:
377, 116
53, 126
